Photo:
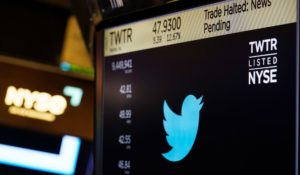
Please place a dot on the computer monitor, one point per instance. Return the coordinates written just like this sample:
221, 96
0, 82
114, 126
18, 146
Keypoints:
199, 89
46, 120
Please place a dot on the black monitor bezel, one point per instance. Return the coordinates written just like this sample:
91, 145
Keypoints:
146, 14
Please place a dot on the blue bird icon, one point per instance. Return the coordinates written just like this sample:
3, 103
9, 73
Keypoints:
182, 130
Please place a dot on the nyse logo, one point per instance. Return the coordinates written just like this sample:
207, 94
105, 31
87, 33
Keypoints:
40, 105
263, 62
182, 129
75, 93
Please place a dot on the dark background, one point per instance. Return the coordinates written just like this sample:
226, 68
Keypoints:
243, 129
32, 30
131, 6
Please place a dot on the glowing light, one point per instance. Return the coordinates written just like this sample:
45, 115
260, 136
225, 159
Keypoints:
23, 112
75, 93
65, 66
62, 163
36, 105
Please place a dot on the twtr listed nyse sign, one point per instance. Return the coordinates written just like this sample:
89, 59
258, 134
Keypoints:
40, 105
263, 62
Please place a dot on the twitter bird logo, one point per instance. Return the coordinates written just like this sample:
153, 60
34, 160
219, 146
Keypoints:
182, 130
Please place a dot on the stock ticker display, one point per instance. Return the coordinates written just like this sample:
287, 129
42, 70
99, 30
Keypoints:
208, 90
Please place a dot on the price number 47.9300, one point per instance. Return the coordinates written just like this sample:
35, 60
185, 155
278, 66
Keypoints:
167, 25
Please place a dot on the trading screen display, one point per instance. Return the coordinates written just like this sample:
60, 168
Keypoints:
208, 90
46, 120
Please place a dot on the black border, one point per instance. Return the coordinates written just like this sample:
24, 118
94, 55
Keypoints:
297, 89
152, 12
98, 120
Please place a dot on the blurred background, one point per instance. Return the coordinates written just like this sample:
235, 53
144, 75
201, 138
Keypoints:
46, 89
47, 82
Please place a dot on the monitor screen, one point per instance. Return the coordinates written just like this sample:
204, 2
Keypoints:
211, 89
46, 120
